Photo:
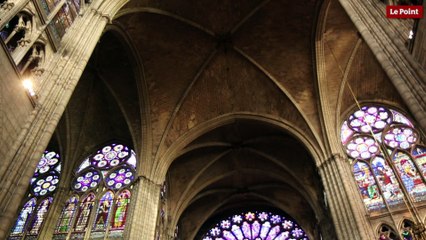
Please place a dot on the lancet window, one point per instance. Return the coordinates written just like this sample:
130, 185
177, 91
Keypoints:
43, 185
388, 162
386, 155
102, 189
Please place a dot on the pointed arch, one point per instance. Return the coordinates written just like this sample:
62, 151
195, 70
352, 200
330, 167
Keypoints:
84, 211
103, 212
386, 141
67, 214
119, 214
39, 216
23, 218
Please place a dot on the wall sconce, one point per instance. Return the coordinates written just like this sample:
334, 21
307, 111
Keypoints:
28, 85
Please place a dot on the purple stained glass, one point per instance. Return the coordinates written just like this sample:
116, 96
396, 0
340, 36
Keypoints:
398, 117
104, 209
85, 164
254, 225
40, 215
48, 162
120, 177
345, 132
23, 218
132, 159
110, 156
84, 211
362, 147
87, 180
45, 184
400, 136
370, 119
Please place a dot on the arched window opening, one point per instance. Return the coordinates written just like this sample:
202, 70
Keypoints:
102, 215
63, 19
64, 222
387, 159
255, 225
119, 215
16, 32
82, 218
33, 61
23, 217
387, 233
48, 6
407, 230
102, 187
43, 185
40, 216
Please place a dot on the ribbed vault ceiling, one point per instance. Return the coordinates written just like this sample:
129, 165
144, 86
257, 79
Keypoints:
243, 164
163, 68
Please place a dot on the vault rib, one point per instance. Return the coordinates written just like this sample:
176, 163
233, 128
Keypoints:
281, 88
248, 16
166, 14
182, 99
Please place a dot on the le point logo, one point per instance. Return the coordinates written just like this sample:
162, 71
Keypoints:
404, 11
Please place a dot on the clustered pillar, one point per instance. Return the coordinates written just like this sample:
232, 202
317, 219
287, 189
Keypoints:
345, 210
144, 210
60, 79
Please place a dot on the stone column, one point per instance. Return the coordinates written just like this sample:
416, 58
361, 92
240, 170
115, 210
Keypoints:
54, 213
61, 77
346, 209
144, 211
408, 77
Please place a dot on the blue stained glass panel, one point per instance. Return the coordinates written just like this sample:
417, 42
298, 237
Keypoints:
40, 215
387, 181
23, 217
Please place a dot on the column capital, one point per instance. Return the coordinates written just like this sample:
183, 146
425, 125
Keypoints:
334, 157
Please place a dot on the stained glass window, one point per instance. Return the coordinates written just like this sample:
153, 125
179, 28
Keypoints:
67, 214
254, 225
406, 230
23, 217
88, 180
120, 212
380, 143
103, 211
367, 186
63, 20
111, 168
387, 181
83, 215
121, 177
43, 185
410, 176
40, 216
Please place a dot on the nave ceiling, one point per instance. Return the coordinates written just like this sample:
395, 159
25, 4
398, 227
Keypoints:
226, 100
